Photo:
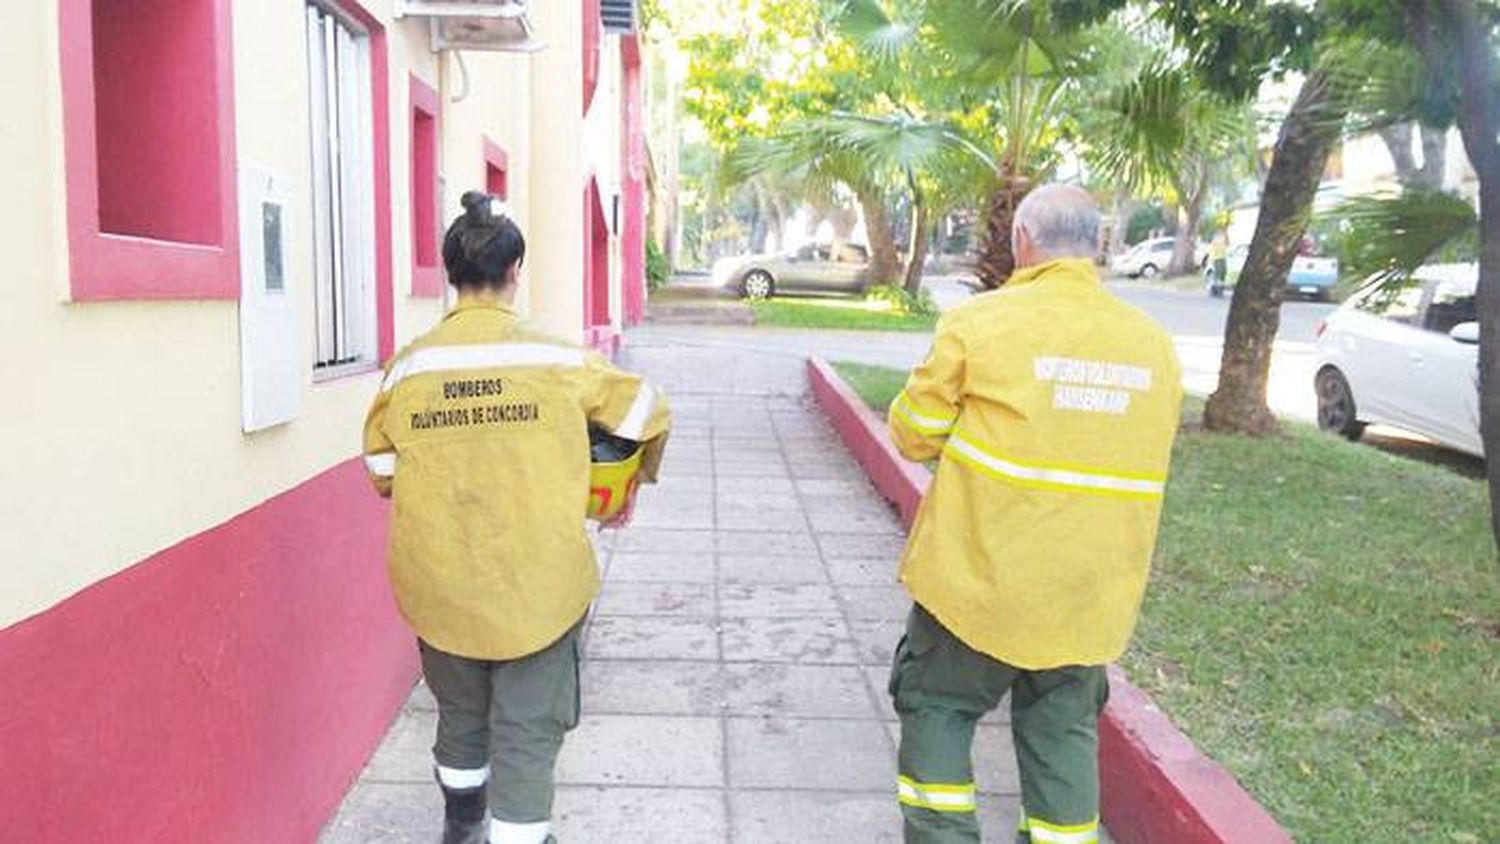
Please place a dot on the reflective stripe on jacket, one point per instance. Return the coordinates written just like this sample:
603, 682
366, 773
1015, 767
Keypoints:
480, 436
1052, 405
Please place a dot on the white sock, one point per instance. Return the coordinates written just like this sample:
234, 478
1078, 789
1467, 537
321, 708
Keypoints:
463, 777
504, 832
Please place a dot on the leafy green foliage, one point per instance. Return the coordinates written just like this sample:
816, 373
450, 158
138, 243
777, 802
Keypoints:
1391, 236
1233, 45
1146, 219
902, 301
658, 267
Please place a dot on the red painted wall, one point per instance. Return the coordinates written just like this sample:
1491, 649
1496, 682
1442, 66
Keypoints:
156, 106
593, 38
496, 170
149, 149
633, 176
596, 258
427, 278
227, 689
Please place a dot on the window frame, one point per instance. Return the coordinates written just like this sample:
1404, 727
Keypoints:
496, 160
355, 13
426, 279
104, 266
1436, 288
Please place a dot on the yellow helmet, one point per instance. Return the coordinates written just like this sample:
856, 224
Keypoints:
613, 474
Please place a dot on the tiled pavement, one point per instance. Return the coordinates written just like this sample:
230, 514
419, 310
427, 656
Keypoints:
735, 663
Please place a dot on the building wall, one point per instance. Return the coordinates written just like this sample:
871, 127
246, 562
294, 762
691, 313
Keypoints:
194, 620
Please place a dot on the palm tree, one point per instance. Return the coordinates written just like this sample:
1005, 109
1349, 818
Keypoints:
932, 160
1389, 237
1160, 132
1017, 59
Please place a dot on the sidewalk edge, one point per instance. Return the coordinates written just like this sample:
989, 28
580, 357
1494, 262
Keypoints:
1155, 785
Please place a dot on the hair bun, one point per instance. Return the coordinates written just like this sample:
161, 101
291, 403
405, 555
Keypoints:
476, 206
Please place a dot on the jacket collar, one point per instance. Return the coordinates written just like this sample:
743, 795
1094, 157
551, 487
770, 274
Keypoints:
480, 301
1063, 269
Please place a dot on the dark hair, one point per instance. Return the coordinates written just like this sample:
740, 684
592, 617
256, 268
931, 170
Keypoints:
481, 247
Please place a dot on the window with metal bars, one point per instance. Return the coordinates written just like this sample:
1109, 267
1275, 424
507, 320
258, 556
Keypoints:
619, 16
342, 191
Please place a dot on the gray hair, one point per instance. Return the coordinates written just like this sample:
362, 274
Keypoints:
1062, 220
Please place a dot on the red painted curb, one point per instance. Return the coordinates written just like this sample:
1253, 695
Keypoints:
1154, 784
864, 433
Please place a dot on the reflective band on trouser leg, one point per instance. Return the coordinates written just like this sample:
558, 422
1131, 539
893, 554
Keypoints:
504, 832
1045, 832
463, 777
939, 797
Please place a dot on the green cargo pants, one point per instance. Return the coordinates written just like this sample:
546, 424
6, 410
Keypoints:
508, 715
941, 689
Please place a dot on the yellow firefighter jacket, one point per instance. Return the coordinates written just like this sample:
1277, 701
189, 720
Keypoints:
1053, 406
480, 436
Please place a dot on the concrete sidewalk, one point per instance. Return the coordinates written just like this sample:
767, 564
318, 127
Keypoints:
736, 660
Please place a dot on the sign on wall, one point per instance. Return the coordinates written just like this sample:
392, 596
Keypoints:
270, 374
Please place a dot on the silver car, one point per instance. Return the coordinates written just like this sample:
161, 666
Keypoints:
814, 268
1405, 354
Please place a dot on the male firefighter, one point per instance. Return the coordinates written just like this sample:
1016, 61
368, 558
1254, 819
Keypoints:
480, 434
1052, 406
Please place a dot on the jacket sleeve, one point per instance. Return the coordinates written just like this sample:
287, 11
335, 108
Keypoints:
627, 406
923, 414
379, 451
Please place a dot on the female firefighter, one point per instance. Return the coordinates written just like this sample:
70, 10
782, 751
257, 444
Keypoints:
480, 435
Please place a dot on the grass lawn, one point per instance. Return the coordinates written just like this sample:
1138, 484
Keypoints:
837, 313
1323, 619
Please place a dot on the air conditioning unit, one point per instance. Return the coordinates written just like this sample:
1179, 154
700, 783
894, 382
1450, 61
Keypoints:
619, 16
495, 25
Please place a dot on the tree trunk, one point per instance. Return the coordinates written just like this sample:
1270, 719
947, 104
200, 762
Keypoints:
917, 245
1479, 123
884, 263
1307, 139
1124, 206
996, 260
1434, 156
1429, 174
1189, 220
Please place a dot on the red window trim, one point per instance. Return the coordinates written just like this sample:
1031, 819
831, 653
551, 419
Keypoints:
104, 266
593, 37
495, 156
380, 100
426, 279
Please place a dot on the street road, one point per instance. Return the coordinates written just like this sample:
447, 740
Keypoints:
1196, 322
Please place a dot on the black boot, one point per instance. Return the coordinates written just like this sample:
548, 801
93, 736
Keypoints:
465, 820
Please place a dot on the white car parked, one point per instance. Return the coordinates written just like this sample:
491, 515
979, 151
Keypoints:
1404, 354
1151, 257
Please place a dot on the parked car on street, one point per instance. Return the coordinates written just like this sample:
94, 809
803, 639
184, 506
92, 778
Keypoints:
1311, 276
1146, 259
813, 268
1404, 354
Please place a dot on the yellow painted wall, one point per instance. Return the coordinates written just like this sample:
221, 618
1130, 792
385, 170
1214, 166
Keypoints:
553, 278
122, 419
